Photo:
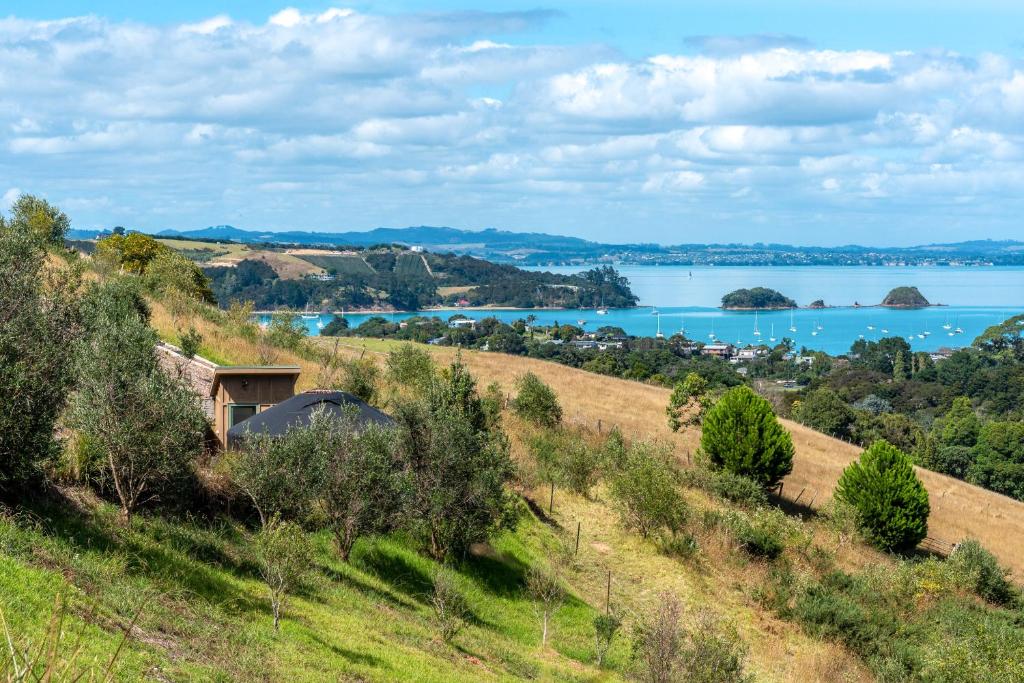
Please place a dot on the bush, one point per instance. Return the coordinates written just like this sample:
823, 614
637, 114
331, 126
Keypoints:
605, 628
734, 488
284, 555
688, 402
360, 377
646, 491
825, 411
978, 570
449, 604
891, 502
190, 342
536, 401
410, 367
742, 436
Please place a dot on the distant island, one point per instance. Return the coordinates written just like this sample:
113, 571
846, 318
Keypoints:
905, 297
817, 303
758, 298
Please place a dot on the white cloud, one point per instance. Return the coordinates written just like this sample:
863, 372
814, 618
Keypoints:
374, 119
7, 201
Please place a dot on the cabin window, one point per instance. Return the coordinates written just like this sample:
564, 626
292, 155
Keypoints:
238, 412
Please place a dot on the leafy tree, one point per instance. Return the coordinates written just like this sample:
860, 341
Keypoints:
36, 216
148, 426
825, 411
647, 493
284, 556
286, 330
285, 475
536, 401
899, 367
131, 253
336, 328
741, 435
365, 491
891, 502
459, 463
39, 321
170, 271
688, 402
960, 426
999, 458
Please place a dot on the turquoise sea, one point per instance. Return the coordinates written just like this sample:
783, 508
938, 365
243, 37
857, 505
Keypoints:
683, 298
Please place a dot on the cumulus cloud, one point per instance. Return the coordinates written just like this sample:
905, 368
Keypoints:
346, 119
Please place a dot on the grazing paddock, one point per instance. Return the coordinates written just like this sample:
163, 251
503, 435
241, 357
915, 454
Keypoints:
341, 264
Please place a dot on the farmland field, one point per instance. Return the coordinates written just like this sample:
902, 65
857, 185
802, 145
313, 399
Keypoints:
411, 265
342, 265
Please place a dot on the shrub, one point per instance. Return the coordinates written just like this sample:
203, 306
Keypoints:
605, 628
169, 271
536, 401
688, 402
978, 570
190, 342
579, 465
723, 484
360, 377
646, 491
742, 436
892, 504
449, 604
410, 367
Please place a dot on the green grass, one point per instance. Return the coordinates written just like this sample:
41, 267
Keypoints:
342, 265
204, 614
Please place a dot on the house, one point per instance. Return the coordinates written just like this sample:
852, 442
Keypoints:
941, 354
298, 410
230, 394
462, 323
583, 344
720, 350
751, 353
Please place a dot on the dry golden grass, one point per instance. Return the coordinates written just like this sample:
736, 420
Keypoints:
959, 510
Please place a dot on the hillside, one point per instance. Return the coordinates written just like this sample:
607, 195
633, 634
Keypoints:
185, 587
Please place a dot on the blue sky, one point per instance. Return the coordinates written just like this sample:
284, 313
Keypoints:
803, 122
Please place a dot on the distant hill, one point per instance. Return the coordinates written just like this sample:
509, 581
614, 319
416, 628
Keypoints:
537, 248
905, 297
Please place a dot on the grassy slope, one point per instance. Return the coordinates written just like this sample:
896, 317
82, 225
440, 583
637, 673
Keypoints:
206, 616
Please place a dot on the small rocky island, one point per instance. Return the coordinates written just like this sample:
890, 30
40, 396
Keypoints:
756, 299
817, 303
905, 297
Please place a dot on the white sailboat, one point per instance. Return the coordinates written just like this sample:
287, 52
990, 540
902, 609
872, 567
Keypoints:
947, 326
871, 327
814, 332
601, 310
310, 315
711, 334
772, 337
885, 331
757, 332
792, 324
658, 334
682, 325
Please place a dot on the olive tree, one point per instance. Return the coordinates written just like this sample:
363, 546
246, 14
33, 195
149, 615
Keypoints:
285, 475
284, 554
364, 489
459, 464
147, 426
39, 320
647, 493
546, 589
536, 401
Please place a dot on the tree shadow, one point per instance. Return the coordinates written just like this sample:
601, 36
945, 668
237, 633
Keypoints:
350, 655
395, 570
500, 575
362, 587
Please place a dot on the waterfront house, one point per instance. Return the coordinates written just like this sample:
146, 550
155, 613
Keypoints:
720, 350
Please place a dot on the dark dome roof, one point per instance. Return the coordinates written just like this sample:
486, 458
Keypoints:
297, 410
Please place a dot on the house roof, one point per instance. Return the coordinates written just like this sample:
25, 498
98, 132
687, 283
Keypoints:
251, 370
297, 411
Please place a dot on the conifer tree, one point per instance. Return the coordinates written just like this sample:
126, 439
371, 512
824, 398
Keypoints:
742, 436
899, 367
891, 502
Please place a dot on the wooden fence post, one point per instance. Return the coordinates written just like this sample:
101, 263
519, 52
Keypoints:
551, 502
797, 499
608, 595
577, 551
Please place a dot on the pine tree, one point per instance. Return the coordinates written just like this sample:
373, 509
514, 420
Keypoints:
891, 502
899, 367
741, 435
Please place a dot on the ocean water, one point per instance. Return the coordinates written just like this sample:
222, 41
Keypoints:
672, 301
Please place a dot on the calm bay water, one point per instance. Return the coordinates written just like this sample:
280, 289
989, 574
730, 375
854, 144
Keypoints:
975, 298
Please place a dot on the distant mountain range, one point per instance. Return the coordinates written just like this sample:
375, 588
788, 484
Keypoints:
535, 248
